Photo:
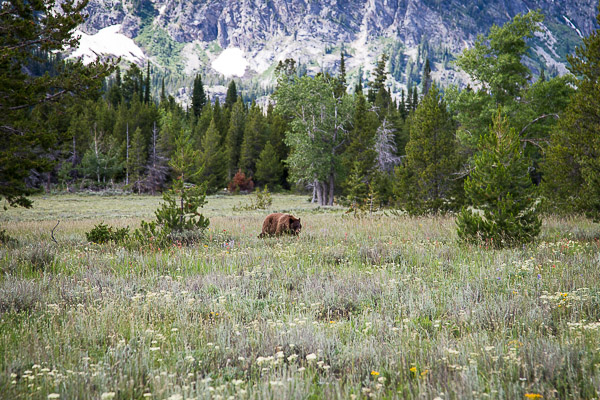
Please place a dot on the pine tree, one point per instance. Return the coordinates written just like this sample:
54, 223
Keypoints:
213, 159
33, 32
231, 96
341, 79
252, 143
163, 95
360, 153
426, 80
147, 85
380, 76
235, 135
269, 169
573, 160
198, 96
500, 195
430, 158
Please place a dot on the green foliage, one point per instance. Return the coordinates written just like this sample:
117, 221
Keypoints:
254, 138
269, 169
235, 135
178, 219
573, 161
198, 96
31, 32
427, 181
316, 132
502, 200
102, 233
213, 159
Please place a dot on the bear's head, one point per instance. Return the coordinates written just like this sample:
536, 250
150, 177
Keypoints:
295, 225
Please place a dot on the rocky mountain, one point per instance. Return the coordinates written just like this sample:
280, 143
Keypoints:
246, 38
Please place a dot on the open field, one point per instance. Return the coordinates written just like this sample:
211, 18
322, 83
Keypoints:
382, 307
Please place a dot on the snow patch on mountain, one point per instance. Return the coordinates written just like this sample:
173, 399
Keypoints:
107, 41
572, 25
231, 62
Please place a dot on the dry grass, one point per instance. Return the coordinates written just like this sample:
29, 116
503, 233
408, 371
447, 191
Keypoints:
382, 307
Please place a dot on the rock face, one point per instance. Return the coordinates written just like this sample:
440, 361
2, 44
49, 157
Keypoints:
313, 32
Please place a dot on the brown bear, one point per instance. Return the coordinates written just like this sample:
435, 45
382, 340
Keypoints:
278, 224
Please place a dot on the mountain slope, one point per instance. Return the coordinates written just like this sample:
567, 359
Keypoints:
188, 36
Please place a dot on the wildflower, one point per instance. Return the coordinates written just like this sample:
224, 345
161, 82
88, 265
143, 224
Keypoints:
424, 372
311, 357
533, 396
107, 395
54, 396
374, 373
413, 369
147, 394
154, 348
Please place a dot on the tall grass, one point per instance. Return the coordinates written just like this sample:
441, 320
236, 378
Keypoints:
382, 307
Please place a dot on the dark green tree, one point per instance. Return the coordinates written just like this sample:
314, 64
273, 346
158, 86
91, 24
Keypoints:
30, 32
573, 161
426, 80
500, 196
235, 135
254, 139
341, 79
380, 75
231, 96
269, 169
213, 159
426, 180
360, 154
198, 96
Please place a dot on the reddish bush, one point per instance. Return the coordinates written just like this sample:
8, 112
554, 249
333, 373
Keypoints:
240, 183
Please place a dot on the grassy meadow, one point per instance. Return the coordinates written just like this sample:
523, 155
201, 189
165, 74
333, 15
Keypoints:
386, 306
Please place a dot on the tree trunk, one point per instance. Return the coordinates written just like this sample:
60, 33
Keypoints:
331, 186
325, 192
319, 190
314, 196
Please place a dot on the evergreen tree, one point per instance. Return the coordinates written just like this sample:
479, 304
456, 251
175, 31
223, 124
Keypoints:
147, 85
380, 75
163, 95
185, 159
341, 79
500, 194
360, 153
428, 184
114, 93
426, 80
269, 169
213, 159
198, 96
573, 161
252, 143
32, 31
231, 96
235, 135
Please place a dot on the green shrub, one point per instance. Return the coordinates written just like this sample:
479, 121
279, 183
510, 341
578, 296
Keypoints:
261, 200
103, 233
